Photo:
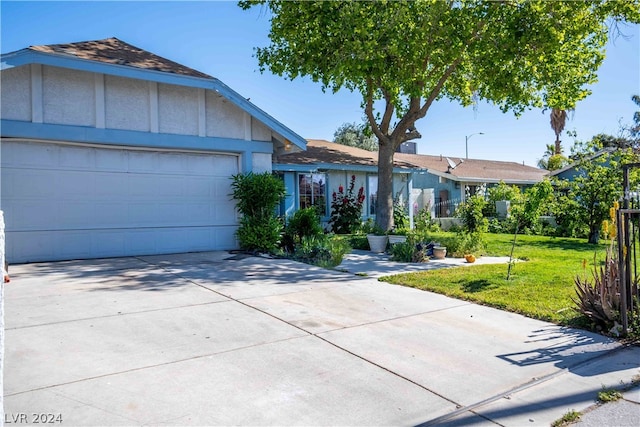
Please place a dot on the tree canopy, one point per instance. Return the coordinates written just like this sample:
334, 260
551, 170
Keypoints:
402, 56
355, 135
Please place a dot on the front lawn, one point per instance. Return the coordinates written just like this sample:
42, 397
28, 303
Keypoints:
541, 284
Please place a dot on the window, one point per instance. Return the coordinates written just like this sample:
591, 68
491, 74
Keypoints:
372, 193
313, 191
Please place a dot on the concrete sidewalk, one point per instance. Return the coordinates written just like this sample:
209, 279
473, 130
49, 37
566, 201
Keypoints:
216, 339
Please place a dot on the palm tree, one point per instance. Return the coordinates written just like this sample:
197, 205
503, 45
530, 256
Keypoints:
635, 131
543, 163
558, 120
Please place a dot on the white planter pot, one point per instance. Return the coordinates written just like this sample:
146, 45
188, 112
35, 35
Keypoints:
397, 238
377, 243
439, 252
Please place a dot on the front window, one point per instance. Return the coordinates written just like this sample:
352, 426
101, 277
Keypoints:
372, 193
313, 192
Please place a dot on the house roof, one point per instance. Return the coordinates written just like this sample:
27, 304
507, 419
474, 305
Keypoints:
475, 170
321, 154
114, 57
330, 155
115, 51
575, 164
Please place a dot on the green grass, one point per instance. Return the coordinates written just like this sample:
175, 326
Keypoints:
609, 395
540, 286
570, 417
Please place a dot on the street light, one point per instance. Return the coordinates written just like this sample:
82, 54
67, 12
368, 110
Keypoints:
466, 143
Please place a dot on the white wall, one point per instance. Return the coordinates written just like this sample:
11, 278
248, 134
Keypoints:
68, 97
47, 94
126, 104
16, 94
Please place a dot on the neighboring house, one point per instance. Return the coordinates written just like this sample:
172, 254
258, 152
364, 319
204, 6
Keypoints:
312, 176
109, 150
436, 182
445, 185
572, 170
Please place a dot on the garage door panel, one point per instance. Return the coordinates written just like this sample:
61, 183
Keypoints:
28, 156
128, 203
109, 186
222, 189
72, 215
222, 212
72, 244
71, 185
197, 187
226, 166
141, 161
110, 215
77, 158
29, 246
170, 186
111, 161
30, 215
33, 184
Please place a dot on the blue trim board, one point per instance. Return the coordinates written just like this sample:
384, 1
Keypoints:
52, 132
321, 167
26, 56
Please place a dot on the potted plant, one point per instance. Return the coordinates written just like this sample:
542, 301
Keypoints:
398, 235
377, 239
439, 252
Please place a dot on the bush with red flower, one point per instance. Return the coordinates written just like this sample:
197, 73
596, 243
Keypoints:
346, 209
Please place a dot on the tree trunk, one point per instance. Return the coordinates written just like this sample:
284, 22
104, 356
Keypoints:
384, 209
594, 234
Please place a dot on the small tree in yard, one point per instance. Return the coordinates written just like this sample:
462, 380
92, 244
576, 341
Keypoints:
403, 56
583, 203
257, 197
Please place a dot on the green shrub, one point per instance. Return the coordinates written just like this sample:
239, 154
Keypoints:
257, 196
400, 214
261, 234
467, 243
403, 251
305, 222
322, 250
471, 212
359, 241
423, 221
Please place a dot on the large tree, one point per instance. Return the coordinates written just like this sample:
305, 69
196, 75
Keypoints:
355, 135
403, 56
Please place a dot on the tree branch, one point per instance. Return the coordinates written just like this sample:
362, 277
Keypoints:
368, 110
438, 87
388, 113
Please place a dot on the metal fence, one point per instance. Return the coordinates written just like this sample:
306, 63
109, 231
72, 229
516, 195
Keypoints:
446, 208
628, 240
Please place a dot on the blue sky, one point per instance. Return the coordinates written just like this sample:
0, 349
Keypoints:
218, 38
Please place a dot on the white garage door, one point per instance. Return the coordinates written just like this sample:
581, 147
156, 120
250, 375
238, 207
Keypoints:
71, 202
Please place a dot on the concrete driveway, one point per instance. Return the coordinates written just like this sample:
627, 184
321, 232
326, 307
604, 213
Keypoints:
218, 339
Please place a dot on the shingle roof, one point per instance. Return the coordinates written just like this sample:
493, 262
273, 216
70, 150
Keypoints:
325, 152
114, 51
475, 169
321, 152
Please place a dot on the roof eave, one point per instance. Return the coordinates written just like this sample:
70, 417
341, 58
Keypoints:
297, 167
